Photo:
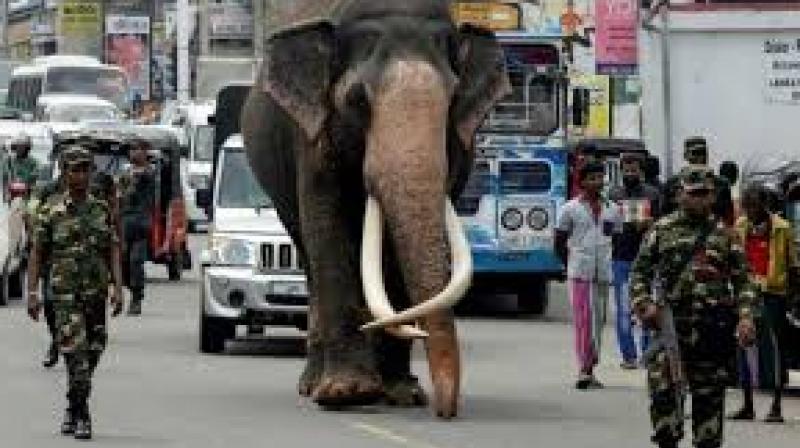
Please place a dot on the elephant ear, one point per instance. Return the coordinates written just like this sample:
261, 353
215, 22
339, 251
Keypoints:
483, 80
297, 73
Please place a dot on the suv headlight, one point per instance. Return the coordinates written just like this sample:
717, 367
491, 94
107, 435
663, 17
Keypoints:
233, 251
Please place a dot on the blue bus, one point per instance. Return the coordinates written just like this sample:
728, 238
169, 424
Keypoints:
520, 178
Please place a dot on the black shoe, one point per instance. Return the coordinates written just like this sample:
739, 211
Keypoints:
52, 357
68, 425
743, 414
135, 308
83, 425
775, 416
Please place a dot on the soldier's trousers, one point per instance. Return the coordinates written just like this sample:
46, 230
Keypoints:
134, 255
706, 384
82, 337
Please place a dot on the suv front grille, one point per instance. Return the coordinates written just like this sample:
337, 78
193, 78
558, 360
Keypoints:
279, 256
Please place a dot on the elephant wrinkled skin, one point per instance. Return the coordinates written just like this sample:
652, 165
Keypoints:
380, 102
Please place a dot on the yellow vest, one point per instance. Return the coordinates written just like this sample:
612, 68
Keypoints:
782, 254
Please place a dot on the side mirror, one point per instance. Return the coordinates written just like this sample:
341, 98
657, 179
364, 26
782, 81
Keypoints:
184, 150
581, 103
203, 198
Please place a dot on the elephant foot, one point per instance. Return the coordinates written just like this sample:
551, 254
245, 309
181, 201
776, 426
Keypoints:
404, 392
446, 398
348, 388
312, 373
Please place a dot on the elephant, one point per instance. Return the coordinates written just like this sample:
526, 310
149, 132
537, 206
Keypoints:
361, 122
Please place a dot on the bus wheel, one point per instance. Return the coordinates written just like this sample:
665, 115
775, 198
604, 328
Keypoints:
532, 297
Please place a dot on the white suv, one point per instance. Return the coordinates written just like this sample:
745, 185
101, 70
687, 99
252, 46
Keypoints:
251, 273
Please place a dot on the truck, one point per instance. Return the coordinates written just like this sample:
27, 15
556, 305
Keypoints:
727, 71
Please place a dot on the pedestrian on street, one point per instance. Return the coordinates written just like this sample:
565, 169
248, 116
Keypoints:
137, 198
768, 240
692, 267
696, 155
74, 231
639, 205
40, 197
583, 241
22, 167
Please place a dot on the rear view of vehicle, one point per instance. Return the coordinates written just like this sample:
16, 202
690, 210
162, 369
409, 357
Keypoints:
520, 176
251, 273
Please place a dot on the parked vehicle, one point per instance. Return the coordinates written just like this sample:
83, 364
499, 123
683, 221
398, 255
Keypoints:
72, 108
168, 230
59, 74
251, 274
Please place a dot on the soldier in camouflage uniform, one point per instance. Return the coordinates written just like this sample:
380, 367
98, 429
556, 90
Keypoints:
74, 231
697, 269
136, 198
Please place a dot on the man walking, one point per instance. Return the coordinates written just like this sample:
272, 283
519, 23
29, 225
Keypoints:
583, 241
74, 231
22, 167
639, 204
769, 244
699, 272
137, 196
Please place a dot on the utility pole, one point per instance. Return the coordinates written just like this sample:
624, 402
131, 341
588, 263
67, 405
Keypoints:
183, 67
203, 31
259, 17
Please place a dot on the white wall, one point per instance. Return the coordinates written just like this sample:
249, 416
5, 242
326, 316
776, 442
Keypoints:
717, 84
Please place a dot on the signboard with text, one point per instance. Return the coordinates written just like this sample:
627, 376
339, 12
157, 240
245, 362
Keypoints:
616, 40
781, 64
127, 45
493, 16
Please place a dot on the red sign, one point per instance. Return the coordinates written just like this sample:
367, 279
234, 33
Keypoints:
616, 43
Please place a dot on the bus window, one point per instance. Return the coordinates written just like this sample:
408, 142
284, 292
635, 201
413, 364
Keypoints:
533, 106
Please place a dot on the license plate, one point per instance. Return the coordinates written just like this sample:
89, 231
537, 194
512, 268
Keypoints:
290, 288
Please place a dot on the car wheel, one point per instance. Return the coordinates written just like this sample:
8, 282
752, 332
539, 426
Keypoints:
213, 333
11, 284
532, 297
3, 288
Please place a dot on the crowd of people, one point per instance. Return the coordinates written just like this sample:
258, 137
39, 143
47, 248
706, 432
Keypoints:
690, 274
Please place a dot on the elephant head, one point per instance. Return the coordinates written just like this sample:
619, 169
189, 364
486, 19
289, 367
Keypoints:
397, 90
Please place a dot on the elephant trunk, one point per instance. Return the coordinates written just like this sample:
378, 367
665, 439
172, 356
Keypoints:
406, 172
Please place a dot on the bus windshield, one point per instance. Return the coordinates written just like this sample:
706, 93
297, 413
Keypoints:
533, 106
106, 83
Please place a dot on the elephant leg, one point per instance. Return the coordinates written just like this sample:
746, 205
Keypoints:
350, 375
315, 354
394, 354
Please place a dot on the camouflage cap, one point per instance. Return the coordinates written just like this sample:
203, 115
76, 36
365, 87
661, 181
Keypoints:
76, 155
695, 178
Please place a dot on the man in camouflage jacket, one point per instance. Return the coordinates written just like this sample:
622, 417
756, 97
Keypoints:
74, 231
699, 271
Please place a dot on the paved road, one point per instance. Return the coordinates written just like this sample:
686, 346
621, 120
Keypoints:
153, 389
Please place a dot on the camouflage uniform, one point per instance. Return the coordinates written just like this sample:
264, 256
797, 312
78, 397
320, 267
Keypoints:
76, 238
705, 313
22, 170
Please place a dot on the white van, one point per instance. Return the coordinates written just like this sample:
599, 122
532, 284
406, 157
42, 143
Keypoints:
251, 273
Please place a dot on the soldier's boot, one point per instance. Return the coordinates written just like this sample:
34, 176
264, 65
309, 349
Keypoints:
51, 359
68, 424
135, 308
775, 413
83, 423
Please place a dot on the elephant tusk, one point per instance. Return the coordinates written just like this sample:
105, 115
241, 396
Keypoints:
460, 279
372, 274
